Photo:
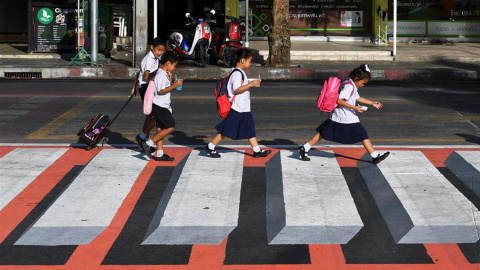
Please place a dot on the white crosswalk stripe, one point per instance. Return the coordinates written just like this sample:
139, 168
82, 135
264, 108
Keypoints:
307, 202
204, 206
418, 203
314, 206
89, 204
21, 166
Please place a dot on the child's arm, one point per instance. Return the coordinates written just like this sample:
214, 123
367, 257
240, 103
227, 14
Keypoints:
241, 89
134, 88
170, 88
343, 103
375, 104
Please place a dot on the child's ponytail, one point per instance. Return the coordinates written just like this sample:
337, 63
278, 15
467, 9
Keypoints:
360, 73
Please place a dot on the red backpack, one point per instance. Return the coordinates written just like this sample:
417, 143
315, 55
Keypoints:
221, 95
327, 100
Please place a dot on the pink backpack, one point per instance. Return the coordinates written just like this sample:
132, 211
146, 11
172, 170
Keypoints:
327, 100
148, 98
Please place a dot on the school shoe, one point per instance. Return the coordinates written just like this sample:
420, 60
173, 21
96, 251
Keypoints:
303, 153
261, 153
146, 149
139, 141
380, 158
165, 157
211, 153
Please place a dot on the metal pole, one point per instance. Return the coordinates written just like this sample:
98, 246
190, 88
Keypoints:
94, 31
394, 28
134, 31
246, 24
78, 26
155, 18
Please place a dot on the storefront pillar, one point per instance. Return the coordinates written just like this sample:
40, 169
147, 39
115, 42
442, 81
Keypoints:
140, 31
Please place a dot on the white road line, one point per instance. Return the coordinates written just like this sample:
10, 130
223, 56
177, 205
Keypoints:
466, 165
314, 206
89, 204
20, 167
204, 206
418, 203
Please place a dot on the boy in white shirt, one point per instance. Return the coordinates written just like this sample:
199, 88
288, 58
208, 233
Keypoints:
161, 108
147, 71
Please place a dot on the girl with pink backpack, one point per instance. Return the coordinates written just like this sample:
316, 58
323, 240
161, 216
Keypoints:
344, 125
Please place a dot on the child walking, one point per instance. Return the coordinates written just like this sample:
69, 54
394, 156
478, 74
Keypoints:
161, 108
147, 72
239, 122
344, 125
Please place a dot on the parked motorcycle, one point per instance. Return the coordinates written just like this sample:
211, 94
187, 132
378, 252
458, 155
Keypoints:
225, 42
192, 44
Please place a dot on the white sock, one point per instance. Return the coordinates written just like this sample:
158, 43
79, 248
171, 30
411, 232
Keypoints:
150, 143
307, 147
211, 146
374, 154
143, 136
159, 153
256, 149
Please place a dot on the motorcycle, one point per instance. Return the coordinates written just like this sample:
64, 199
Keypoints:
225, 42
191, 45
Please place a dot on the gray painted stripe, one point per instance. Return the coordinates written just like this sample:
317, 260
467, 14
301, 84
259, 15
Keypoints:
317, 205
439, 213
14, 112
466, 165
20, 167
89, 204
204, 206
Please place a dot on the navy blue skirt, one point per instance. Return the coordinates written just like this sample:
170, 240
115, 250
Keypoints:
342, 133
237, 126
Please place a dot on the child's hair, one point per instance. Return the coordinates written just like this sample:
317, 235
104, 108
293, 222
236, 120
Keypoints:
243, 53
169, 56
360, 73
158, 41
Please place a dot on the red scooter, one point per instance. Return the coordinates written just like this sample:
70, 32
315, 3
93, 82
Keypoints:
225, 42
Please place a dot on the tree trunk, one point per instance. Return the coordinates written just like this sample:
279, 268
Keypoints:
279, 39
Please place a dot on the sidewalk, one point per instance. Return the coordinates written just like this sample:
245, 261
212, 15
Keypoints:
310, 60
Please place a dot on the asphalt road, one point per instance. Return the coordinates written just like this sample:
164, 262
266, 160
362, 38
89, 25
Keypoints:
52, 111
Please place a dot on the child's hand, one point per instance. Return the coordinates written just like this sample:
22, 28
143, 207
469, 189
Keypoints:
255, 83
134, 91
178, 82
377, 105
359, 109
169, 74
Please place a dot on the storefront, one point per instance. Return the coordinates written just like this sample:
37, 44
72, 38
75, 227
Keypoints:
437, 18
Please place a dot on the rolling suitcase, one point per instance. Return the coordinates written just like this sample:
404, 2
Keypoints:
94, 130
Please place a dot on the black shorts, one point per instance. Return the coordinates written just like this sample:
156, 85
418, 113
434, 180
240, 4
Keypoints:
143, 90
163, 117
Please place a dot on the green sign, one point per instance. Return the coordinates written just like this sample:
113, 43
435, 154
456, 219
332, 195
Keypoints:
45, 15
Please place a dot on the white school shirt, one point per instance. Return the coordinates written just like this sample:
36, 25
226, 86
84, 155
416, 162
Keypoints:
150, 64
162, 81
345, 115
242, 101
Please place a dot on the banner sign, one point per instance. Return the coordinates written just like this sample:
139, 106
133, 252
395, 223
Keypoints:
54, 29
436, 28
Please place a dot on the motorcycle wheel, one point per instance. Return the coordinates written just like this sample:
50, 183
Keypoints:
229, 57
202, 56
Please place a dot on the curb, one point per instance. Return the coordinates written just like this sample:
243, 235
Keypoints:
216, 73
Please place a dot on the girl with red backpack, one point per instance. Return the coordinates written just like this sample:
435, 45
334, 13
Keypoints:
344, 125
239, 122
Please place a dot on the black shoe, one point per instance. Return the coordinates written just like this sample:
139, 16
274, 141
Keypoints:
262, 153
139, 143
211, 153
146, 147
380, 158
303, 153
165, 157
